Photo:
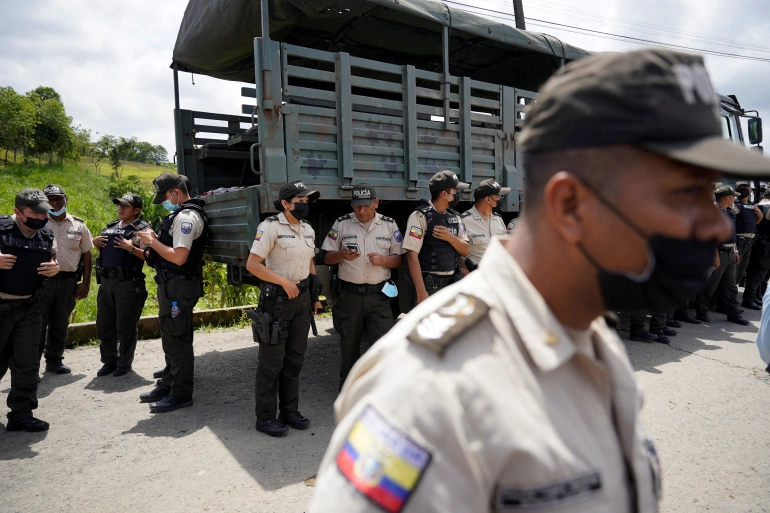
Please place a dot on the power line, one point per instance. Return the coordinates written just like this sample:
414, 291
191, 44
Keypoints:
616, 37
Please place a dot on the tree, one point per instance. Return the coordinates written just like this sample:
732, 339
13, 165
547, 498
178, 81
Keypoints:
17, 122
47, 93
54, 134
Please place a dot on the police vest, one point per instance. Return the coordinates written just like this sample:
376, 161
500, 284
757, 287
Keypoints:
746, 218
438, 255
23, 279
193, 263
731, 214
112, 257
763, 228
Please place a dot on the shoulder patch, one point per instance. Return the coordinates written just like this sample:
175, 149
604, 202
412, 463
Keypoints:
397, 235
466, 213
383, 463
442, 327
388, 219
423, 208
346, 216
333, 234
271, 218
186, 227
76, 218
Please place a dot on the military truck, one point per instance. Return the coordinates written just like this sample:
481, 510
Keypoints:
384, 92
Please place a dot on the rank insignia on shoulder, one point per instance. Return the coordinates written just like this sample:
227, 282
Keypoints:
186, 227
442, 327
382, 462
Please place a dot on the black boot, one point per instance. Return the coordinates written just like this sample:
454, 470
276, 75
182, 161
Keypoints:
107, 368
170, 403
643, 336
272, 427
294, 419
157, 393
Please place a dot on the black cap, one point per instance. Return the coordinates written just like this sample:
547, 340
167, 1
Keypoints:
298, 188
54, 190
490, 187
723, 191
444, 180
34, 199
363, 195
165, 183
660, 100
130, 200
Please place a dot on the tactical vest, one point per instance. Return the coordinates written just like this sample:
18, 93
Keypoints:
438, 255
763, 228
112, 257
746, 219
23, 279
192, 266
733, 217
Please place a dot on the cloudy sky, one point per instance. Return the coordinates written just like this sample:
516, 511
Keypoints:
110, 60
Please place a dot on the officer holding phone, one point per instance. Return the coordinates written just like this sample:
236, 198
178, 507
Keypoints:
366, 245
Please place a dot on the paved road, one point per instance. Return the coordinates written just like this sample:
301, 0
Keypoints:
707, 405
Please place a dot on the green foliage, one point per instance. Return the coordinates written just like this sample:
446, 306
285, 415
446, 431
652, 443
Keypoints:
47, 93
17, 121
218, 292
54, 134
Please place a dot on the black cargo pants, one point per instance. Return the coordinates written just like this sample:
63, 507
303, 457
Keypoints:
744, 246
759, 265
119, 305
56, 306
176, 333
355, 314
722, 280
20, 325
279, 365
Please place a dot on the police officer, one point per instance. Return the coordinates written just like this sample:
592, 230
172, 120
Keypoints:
366, 245
434, 238
282, 257
747, 218
176, 253
508, 391
726, 258
483, 221
73, 240
27, 258
759, 264
122, 291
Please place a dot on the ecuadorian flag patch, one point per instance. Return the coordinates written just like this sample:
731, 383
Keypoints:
382, 462
415, 232
259, 235
333, 234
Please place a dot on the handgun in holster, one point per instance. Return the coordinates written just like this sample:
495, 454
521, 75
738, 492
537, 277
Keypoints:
99, 270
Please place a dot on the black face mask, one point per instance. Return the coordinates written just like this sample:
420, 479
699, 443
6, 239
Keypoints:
677, 269
300, 212
455, 200
745, 193
498, 207
34, 224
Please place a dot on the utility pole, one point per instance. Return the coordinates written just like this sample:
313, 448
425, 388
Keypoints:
518, 13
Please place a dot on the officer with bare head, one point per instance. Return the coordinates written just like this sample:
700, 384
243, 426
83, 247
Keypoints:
507, 391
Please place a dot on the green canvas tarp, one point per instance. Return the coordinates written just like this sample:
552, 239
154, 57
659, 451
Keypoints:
216, 38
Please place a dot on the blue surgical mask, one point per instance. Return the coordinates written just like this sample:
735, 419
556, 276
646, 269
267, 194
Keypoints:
60, 212
390, 289
169, 206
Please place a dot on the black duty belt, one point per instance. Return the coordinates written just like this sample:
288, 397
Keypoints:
20, 303
363, 289
302, 286
162, 276
725, 248
439, 279
63, 275
121, 274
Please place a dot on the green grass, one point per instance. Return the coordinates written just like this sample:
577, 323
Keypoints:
146, 172
89, 199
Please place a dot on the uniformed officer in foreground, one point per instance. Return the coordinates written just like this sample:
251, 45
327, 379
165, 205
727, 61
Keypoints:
365, 245
176, 253
483, 221
282, 257
73, 240
27, 258
508, 391
122, 291
435, 238
747, 218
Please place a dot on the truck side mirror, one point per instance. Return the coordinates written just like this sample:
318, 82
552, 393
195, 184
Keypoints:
755, 130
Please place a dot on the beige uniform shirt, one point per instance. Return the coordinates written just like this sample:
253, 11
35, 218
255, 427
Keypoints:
480, 231
73, 239
187, 226
416, 229
511, 225
287, 248
478, 401
382, 237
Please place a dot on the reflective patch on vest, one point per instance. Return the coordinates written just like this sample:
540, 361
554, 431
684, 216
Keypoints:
382, 462
333, 234
397, 235
452, 220
439, 329
553, 495
186, 227
258, 236
416, 232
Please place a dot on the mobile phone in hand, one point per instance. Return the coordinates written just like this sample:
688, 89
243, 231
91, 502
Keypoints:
353, 247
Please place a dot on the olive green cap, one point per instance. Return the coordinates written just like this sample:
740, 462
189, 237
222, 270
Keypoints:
723, 191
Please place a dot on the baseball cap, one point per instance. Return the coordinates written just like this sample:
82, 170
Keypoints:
490, 187
54, 190
363, 195
130, 200
444, 180
293, 189
164, 183
34, 199
660, 100
723, 191
740, 183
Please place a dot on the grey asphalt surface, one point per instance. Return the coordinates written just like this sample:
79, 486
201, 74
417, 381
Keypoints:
707, 406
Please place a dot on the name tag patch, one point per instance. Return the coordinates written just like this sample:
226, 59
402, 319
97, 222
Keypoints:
285, 236
333, 234
415, 232
516, 499
186, 227
383, 463
397, 235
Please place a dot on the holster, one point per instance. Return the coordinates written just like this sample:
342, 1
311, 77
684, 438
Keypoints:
260, 326
470, 265
336, 284
315, 288
98, 270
